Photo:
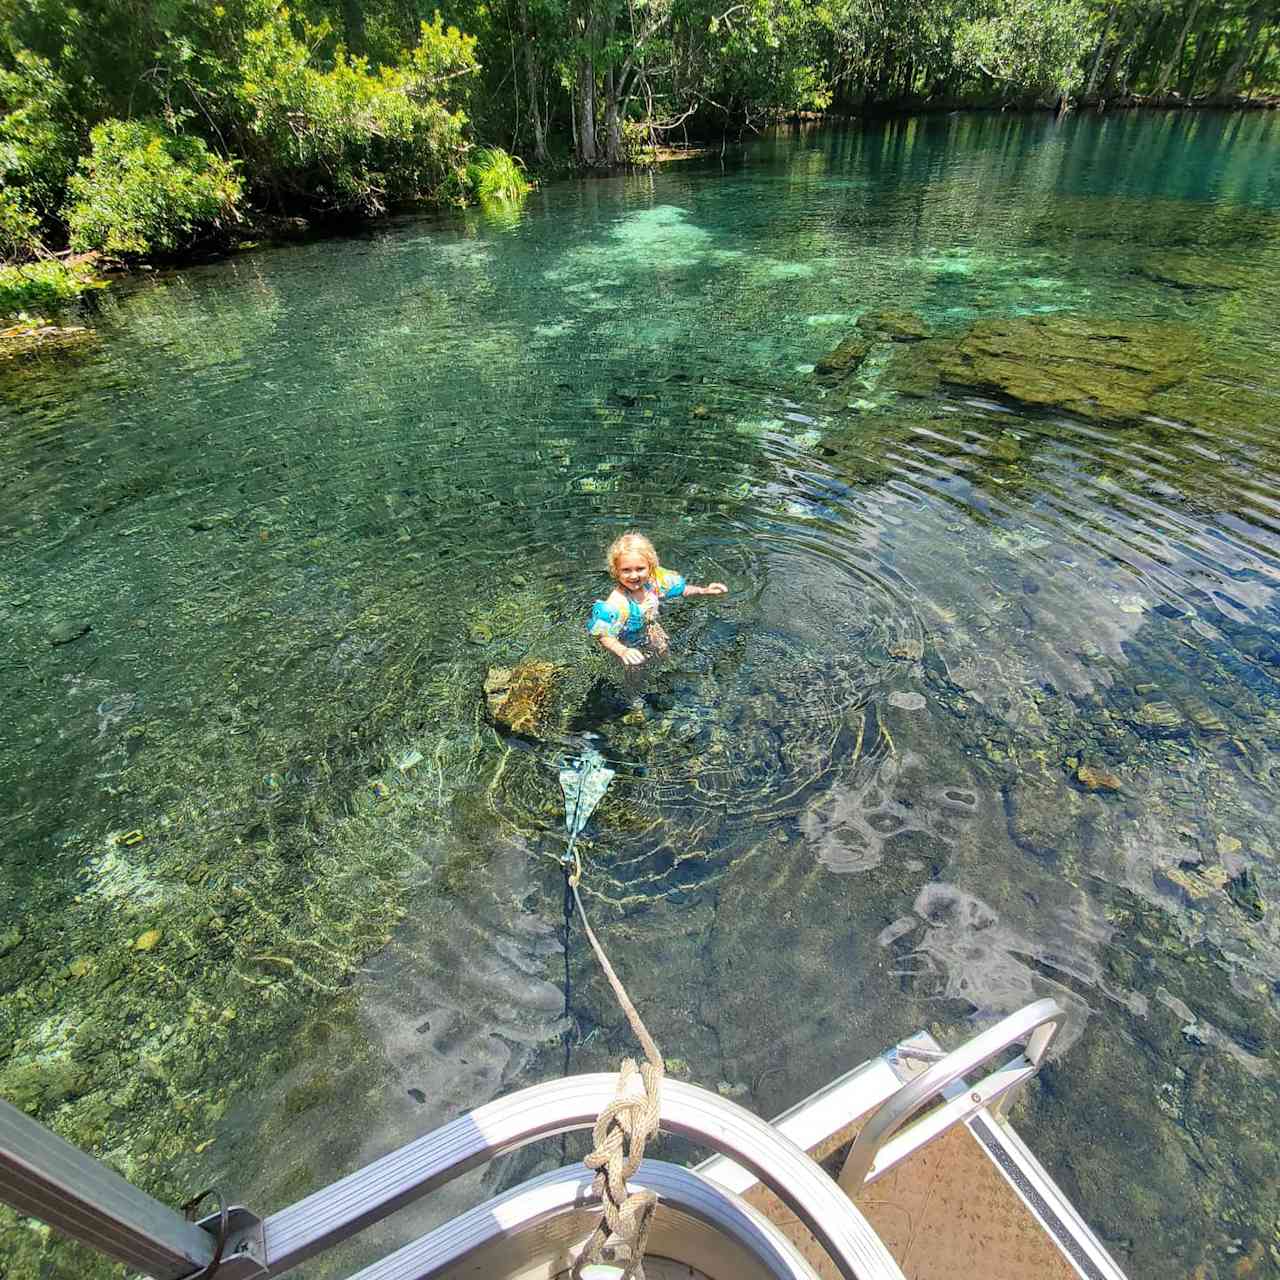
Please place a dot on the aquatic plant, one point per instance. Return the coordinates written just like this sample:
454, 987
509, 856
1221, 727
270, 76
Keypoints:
494, 174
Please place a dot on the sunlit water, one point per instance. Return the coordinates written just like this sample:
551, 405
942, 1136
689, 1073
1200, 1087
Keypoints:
988, 714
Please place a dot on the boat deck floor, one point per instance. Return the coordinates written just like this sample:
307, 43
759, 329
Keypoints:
945, 1214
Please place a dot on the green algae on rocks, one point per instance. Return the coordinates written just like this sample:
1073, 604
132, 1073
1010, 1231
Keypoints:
1197, 271
841, 363
893, 326
1111, 370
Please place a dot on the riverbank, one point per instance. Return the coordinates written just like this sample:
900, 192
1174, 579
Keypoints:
1117, 102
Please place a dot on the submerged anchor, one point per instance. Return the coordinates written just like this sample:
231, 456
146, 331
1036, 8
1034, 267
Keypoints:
584, 780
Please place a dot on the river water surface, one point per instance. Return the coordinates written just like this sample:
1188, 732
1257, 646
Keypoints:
989, 712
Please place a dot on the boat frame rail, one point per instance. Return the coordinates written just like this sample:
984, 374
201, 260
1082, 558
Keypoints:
46, 1177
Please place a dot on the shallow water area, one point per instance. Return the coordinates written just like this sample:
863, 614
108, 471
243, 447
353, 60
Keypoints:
977, 417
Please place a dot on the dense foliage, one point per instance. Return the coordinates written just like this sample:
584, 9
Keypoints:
142, 128
344, 137
143, 189
41, 287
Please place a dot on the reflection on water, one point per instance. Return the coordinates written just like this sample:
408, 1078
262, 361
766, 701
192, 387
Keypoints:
977, 418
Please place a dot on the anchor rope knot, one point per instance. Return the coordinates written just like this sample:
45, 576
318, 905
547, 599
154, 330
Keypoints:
619, 1136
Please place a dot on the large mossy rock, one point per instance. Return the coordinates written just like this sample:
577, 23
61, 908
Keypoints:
912, 369
519, 699
893, 326
843, 362
1111, 370
1196, 271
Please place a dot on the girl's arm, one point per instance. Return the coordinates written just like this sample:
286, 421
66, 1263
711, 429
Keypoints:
711, 589
631, 657
606, 626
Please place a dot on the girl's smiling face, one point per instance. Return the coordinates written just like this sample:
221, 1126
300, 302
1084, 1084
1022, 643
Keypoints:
632, 570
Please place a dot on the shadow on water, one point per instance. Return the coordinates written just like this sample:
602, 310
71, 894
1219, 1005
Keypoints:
975, 416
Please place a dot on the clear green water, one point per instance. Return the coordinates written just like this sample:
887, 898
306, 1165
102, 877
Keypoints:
304, 500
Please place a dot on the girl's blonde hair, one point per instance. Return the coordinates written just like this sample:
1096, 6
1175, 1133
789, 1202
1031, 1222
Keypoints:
635, 543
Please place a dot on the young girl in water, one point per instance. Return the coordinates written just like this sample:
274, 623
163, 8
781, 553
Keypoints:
627, 622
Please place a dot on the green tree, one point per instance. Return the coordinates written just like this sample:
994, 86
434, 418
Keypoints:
347, 139
1035, 47
143, 190
39, 139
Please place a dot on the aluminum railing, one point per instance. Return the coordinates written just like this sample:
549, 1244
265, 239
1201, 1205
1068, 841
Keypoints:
879, 1146
42, 1175
546, 1219
48, 1178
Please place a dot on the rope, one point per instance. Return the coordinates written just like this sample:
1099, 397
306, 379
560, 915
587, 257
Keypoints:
620, 1133
189, 1212
568, 1004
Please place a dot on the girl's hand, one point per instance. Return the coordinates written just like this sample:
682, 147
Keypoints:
631, 657
715, 589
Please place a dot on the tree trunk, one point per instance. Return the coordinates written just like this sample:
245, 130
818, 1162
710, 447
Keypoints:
884, 78
353, 21
532, 73
908, 78
1175, 54
1113, 73
1229, 85
1140, 59
1260, 63
612, 124
1096, 63
1206, 45
1120, 55
587, 153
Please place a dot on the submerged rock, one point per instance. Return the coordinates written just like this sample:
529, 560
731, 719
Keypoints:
1243, 891
34, 1086
1183, 884
1193, 271
1109, 370
1042, 811
843, 362
1205, 717
1097, 779
913, 369
907, 701
907, 650
1158, 720
519, 698
67, 630
893, 326
38, 337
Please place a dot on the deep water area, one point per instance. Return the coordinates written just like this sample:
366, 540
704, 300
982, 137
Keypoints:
979, 419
